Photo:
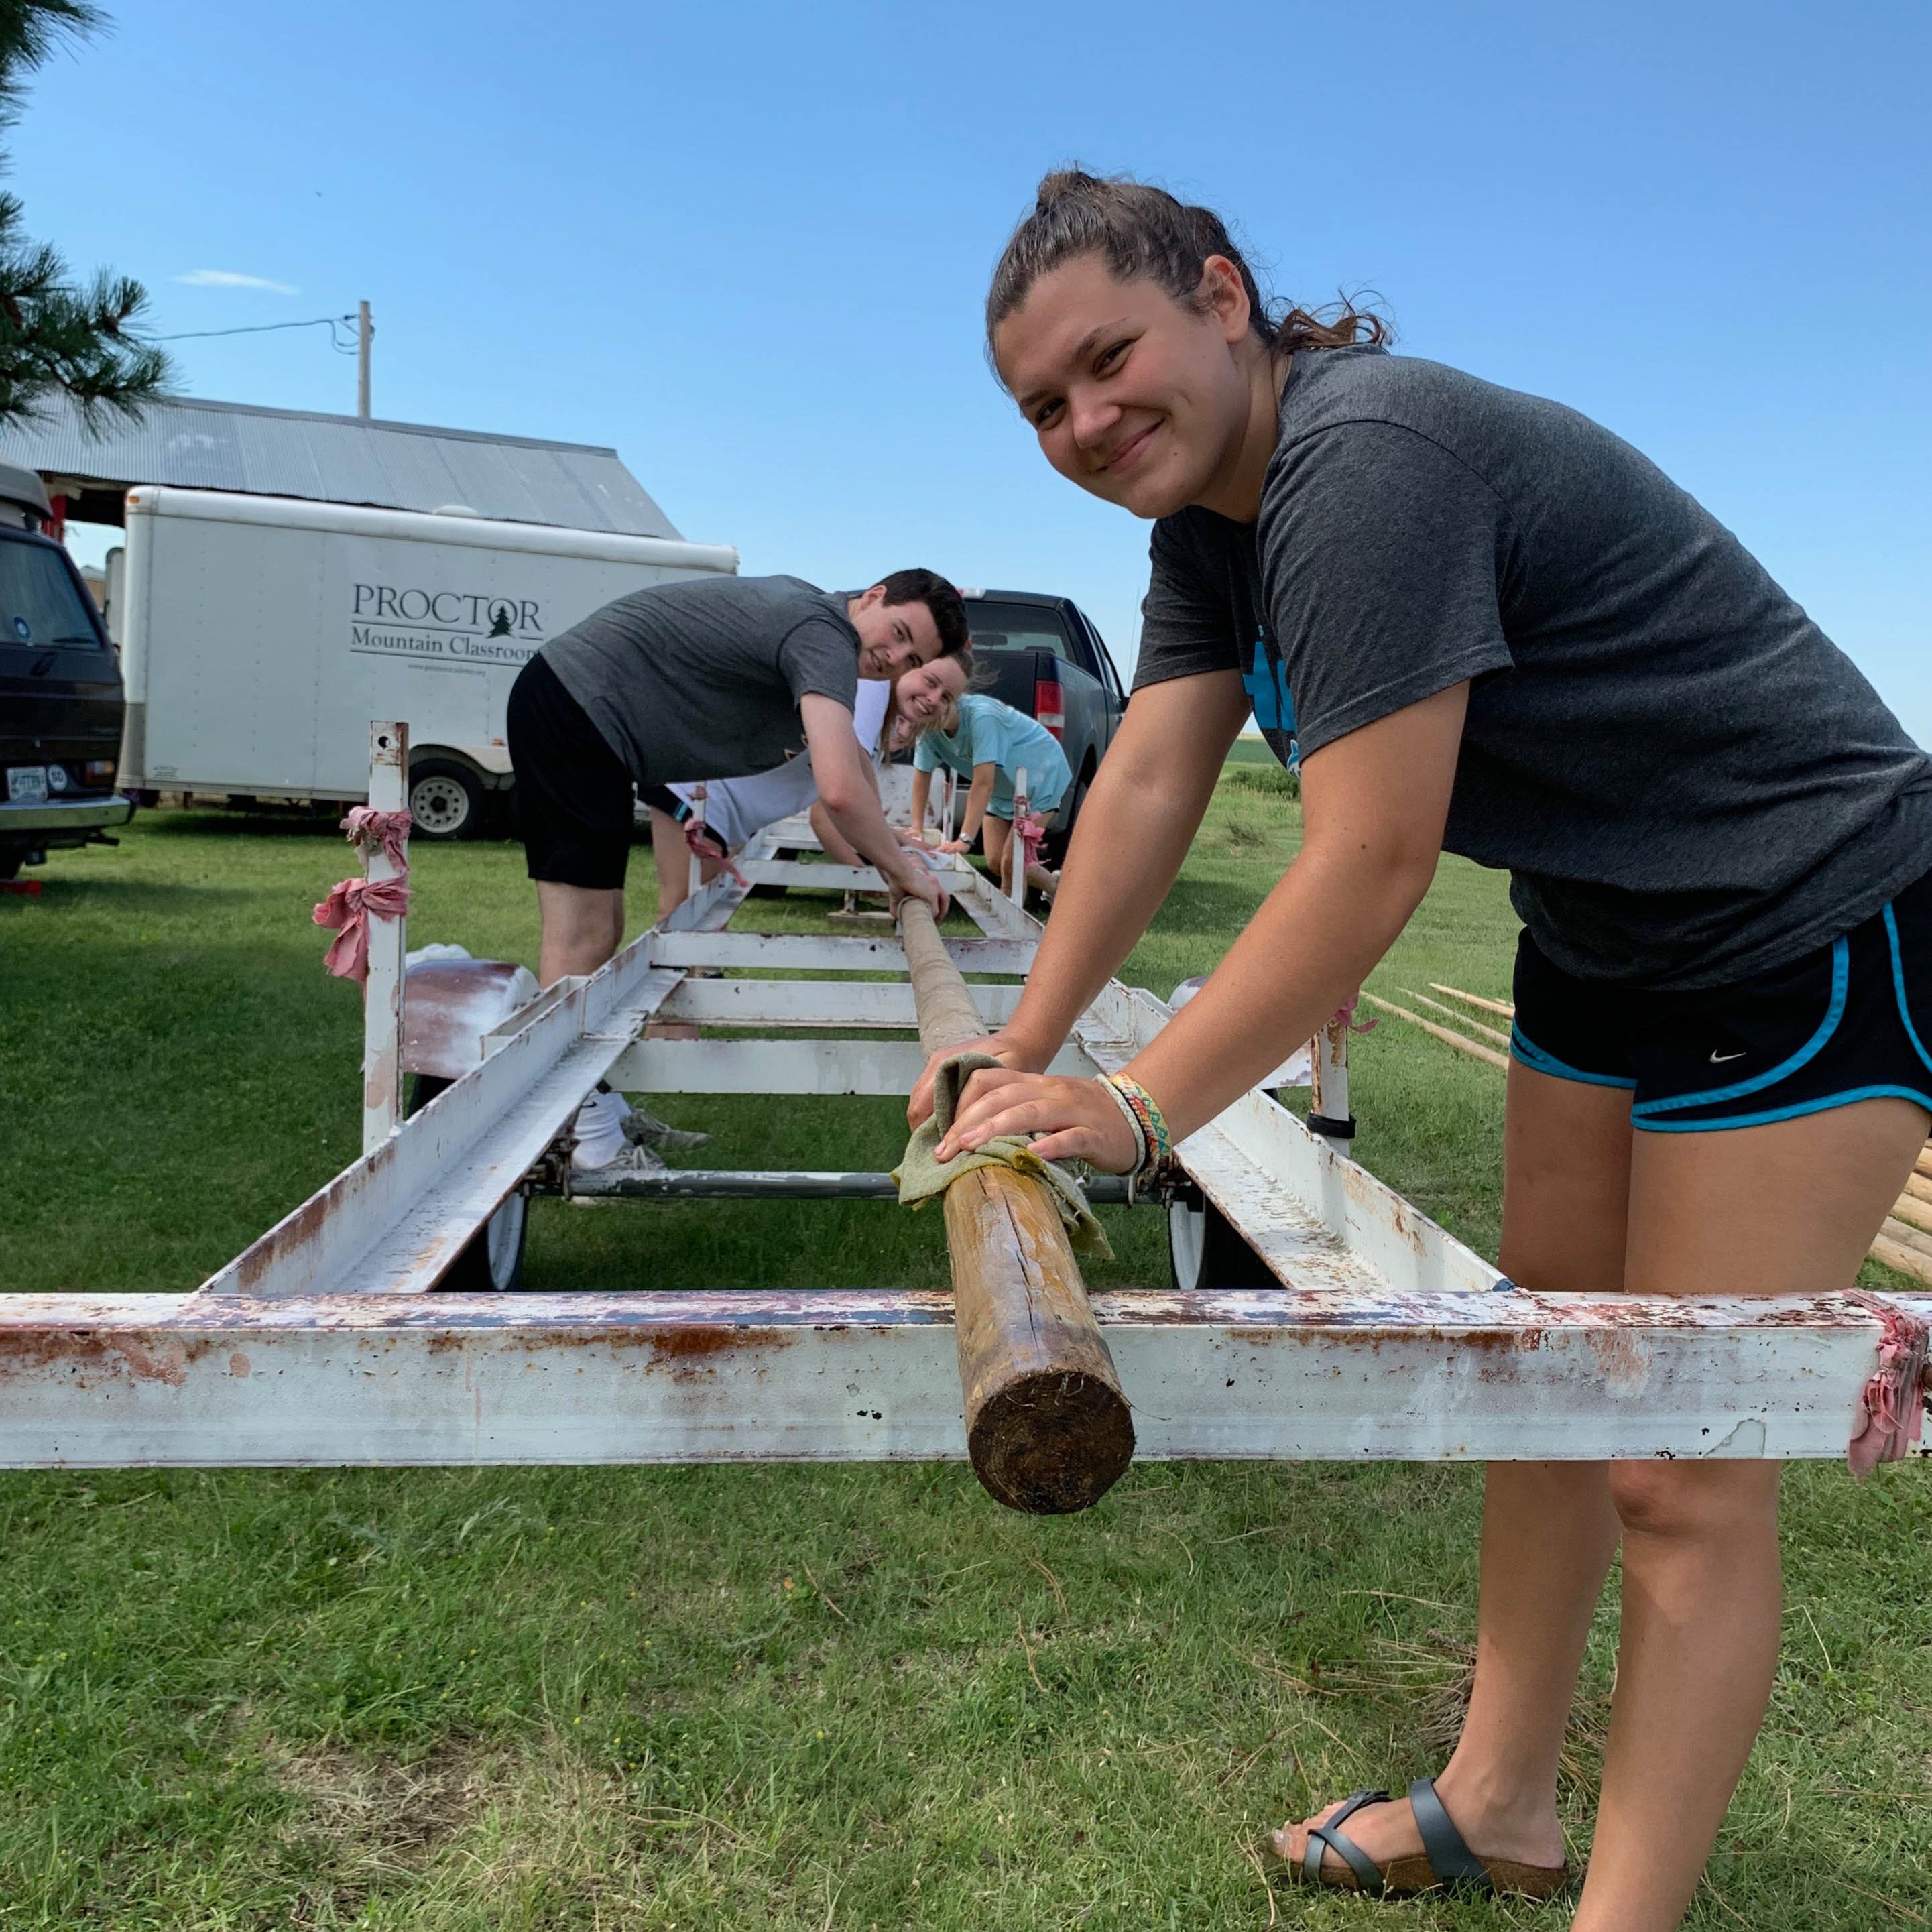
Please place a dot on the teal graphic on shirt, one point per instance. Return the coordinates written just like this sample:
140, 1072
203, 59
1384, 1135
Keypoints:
1267, 687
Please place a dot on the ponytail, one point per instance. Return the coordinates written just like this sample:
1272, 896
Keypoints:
1143, 233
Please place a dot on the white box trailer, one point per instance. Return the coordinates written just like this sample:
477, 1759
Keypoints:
259, 634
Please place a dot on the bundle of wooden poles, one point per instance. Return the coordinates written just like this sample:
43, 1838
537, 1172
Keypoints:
1904, 1243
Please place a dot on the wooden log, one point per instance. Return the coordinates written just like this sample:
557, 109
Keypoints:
947, 1016
1923, 1165
1907, 1260
1919, 1187
1461, 1042
1502, 1007
1474, 1026
1048, 1430
1918, 1213
1895, 1231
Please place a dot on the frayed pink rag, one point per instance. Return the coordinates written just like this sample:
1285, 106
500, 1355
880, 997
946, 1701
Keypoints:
1031, 828
1345, 1013
1893, 1401
348, 909
707, 844
368, 829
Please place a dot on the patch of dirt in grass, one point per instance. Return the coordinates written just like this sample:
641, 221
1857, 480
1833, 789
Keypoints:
394, 1814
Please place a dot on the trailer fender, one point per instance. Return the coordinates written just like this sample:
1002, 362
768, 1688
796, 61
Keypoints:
449, 1003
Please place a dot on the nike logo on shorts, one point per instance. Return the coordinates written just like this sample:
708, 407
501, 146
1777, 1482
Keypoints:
1718, 1059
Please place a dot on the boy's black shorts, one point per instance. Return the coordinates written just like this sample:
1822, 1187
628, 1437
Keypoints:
1851, 1021
573, 794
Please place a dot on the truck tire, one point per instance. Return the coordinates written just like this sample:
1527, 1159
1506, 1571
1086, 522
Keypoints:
12, 858
1205, 1252
492, 1261
447, 800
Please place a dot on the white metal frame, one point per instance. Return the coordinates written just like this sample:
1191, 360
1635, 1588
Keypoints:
323, 1342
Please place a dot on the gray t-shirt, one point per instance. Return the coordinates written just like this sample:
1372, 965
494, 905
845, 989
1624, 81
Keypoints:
702, 679
1688, 781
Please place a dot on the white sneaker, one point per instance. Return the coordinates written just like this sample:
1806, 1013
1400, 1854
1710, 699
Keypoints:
632, 1158
644, 1130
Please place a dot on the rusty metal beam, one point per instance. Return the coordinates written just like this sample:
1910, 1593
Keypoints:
205, 1380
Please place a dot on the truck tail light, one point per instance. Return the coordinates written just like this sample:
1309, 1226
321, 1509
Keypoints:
1048, 707
98, 772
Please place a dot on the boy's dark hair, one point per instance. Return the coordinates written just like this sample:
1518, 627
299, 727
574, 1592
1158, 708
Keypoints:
1138, 230
947, 606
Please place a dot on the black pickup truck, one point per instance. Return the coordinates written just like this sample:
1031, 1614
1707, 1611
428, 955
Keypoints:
1043, 655
61, 701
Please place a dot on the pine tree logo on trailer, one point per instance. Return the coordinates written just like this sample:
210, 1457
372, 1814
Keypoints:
458, 629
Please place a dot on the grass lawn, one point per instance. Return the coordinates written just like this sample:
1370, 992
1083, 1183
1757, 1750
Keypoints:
783, 1698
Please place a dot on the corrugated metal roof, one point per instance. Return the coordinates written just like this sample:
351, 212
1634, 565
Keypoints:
393, 466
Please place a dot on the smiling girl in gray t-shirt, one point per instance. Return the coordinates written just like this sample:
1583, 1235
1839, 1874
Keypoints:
1484, 624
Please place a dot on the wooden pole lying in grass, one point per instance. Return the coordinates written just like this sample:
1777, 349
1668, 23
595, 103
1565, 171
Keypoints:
1474, 1026
1048, 1429
1460, 1042
1476, 999
1908, 1207
1907, 1260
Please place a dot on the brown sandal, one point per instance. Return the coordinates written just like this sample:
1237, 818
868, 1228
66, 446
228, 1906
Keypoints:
1445, 1859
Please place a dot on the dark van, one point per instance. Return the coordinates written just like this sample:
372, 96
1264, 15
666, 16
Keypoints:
61, 699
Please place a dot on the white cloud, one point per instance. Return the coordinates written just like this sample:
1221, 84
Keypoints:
225, 278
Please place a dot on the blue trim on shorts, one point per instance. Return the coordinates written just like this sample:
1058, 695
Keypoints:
1898, 988
1841, 954
1533, 1057
1850, 1097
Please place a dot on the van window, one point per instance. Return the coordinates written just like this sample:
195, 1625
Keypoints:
1017, 627
40, 604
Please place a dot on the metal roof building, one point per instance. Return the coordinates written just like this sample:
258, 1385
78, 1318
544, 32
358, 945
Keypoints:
394, 465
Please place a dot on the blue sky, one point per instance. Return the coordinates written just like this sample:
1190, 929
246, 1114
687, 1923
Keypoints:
747, 244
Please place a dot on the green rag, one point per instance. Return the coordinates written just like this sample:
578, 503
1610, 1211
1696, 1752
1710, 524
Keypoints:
922, 1177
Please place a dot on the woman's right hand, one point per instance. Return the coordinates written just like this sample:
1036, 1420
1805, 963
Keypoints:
1001, 1046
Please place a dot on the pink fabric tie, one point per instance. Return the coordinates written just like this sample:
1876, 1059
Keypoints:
352, 903
707, 844
1892, 1403
347, 910
368, 829
1031, 830
1345, 1013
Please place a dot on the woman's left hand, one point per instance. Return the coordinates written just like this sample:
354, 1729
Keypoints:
954, 845
1076, 1119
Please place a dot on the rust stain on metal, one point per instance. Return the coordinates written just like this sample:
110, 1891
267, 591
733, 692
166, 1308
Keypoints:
238, 1364
101, 1355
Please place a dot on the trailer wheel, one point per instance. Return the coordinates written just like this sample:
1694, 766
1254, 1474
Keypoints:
492, 1261
1204, 1251
446, 800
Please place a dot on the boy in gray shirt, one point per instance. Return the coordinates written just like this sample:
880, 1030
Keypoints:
713, 677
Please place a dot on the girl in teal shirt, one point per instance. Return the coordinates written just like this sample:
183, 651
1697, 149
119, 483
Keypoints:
991, 744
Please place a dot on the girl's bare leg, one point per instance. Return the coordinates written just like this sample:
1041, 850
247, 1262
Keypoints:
997, 837
1549, 1530
1789, 1207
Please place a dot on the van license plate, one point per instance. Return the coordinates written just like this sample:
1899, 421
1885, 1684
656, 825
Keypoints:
27, 785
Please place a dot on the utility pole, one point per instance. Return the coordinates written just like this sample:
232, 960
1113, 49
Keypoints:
365, 331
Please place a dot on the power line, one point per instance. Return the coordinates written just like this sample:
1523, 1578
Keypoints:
331, 322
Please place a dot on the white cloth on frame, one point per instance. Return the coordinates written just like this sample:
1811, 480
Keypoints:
735, 808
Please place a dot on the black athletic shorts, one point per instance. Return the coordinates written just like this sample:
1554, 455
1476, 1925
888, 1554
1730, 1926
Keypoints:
1850, 1021
574, 794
